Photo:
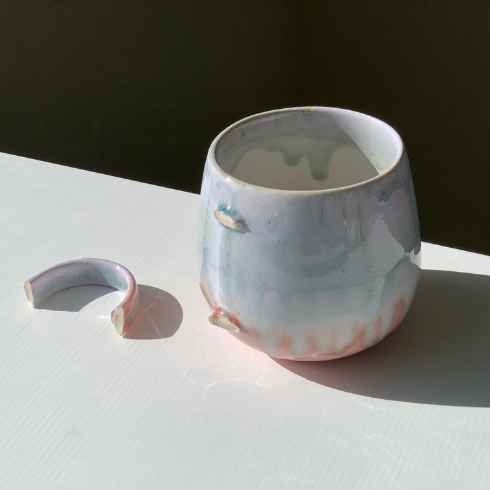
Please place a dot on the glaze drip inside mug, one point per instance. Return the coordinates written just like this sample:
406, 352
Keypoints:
308, 150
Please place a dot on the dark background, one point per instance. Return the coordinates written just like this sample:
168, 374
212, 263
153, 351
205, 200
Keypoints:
139, 88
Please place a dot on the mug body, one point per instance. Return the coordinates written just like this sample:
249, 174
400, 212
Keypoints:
309, 241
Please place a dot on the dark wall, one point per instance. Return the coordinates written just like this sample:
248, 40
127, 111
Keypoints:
139, 88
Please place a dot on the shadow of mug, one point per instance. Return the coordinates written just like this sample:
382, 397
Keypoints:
440, 354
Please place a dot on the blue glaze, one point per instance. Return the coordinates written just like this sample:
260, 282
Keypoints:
228, 210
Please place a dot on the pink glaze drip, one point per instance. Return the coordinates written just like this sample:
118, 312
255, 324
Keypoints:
398, 310
285, 345
357, 344
332, 345
285, 348
312, 346
378, 330
254, 335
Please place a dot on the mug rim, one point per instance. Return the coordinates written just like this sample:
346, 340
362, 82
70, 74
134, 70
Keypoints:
214, 162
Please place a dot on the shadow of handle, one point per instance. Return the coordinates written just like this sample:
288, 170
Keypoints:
159, 317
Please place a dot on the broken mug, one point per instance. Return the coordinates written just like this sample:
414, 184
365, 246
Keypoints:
309, 241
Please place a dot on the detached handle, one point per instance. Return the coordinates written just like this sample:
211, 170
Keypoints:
83, 272
226, 220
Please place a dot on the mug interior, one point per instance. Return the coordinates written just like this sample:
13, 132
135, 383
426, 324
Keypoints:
306, 149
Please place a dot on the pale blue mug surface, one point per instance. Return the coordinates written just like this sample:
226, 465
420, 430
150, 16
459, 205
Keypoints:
309, 240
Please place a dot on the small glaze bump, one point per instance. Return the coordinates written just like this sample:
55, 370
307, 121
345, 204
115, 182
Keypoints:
224, 320
227, 220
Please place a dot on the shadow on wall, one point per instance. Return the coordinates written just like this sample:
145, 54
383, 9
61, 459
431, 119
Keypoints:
139, 89
440, 354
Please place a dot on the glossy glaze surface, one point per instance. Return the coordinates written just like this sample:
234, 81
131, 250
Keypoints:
309, 274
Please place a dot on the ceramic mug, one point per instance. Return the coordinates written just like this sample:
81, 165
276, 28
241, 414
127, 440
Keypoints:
309, 241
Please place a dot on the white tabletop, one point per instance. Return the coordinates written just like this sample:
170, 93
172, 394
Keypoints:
181, 404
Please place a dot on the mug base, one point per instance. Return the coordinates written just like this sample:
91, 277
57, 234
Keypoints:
250, 337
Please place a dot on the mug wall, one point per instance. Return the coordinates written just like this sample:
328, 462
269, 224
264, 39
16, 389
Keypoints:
310, 275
